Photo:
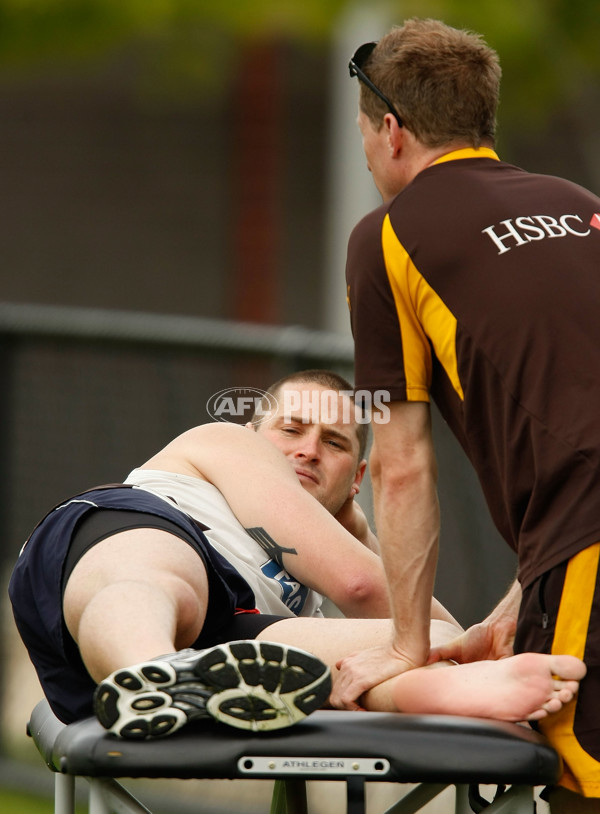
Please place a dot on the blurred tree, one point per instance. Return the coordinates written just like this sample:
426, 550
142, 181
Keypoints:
179, 42
549, 48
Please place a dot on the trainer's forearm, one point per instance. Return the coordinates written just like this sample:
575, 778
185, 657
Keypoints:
407, 521
506, 611
409, 559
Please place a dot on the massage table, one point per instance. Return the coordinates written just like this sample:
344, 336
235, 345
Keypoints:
433, 751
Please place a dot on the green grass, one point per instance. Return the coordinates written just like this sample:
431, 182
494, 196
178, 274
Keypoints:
15, 802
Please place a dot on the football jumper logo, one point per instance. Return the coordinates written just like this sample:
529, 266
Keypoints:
511, 233
293, 593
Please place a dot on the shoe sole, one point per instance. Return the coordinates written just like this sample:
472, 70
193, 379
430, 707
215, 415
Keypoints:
258, 686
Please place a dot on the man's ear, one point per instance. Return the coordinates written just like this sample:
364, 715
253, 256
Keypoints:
395, 135
358, 477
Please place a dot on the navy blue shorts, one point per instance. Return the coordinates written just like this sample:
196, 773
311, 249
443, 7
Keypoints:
37, 582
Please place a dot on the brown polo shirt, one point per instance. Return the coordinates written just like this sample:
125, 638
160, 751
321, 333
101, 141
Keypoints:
479, 284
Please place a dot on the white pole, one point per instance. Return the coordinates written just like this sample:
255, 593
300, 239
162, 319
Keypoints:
351, 192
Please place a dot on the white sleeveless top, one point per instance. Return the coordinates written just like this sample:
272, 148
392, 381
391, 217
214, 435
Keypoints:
276, 591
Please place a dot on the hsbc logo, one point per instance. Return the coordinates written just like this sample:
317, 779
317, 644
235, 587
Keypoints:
510, 233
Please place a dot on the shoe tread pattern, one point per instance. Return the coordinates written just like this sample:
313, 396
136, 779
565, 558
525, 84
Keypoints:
247, 684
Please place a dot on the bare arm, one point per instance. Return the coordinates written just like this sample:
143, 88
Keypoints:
264, 493
503, 619
491, 639
354, 520
404, 475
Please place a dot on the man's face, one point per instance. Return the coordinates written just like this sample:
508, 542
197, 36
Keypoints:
315, 428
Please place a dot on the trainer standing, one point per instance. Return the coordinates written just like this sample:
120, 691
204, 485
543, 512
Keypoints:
478, 284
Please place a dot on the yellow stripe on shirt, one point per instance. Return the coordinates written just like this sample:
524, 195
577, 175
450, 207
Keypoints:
468, 152
423, 318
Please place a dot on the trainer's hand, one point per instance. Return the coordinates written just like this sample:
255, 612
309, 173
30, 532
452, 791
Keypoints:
481, 642
361, 671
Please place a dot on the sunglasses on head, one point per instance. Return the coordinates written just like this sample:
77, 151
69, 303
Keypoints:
355, 67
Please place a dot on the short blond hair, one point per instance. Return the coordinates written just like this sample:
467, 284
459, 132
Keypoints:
444, 83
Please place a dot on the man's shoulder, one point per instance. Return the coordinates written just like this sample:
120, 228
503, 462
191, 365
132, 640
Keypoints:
219, 430
366, 235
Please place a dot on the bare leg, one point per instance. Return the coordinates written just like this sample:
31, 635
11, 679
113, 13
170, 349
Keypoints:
524, 687
334, 638
143, 592
134, 596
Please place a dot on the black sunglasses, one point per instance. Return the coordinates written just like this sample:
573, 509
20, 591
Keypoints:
355, 67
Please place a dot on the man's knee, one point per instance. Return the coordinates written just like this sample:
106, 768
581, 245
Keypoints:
146, 569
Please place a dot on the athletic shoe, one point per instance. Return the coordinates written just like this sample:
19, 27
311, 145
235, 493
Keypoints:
250, 684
